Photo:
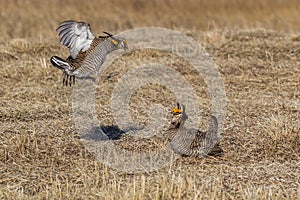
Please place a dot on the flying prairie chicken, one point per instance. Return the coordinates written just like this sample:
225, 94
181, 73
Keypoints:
188, 142
87, 52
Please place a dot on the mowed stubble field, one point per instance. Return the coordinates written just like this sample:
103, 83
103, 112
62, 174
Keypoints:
256, 45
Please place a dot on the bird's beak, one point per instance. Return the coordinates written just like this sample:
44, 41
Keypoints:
125, 45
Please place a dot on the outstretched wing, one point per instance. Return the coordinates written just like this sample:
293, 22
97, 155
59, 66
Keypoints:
77, 36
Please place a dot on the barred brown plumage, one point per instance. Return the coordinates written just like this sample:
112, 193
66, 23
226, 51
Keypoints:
87, 52
189, 142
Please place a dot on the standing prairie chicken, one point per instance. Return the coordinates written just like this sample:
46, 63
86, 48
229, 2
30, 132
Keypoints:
188, 142
87, 52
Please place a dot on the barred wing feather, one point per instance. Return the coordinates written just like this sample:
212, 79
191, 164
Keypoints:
77, 36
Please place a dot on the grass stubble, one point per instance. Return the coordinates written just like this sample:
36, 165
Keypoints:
42, 156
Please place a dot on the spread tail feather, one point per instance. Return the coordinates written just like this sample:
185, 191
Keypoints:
62, 64
59, 63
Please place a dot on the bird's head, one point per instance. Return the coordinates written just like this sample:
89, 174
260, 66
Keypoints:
178, 115
118, 42
121, 43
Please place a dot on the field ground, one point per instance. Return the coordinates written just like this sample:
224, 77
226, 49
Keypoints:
257, 49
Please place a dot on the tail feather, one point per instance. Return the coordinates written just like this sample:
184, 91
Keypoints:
213, 127
62, 64
213, 132
59, 63
216, 151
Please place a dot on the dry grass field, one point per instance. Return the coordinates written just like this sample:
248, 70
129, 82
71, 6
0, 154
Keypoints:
256, 45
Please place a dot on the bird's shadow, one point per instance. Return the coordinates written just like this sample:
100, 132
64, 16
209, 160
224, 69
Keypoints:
102, 133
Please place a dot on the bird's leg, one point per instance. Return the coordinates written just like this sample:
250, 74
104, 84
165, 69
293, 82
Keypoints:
65, 79
68, 77
70, 80
70, 72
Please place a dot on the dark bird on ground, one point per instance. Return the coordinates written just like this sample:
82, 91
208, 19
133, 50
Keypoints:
189, 142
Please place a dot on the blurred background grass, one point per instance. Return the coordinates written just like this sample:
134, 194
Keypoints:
35, 18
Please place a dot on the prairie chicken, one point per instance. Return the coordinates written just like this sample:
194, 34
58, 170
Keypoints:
188, 142
87, 52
